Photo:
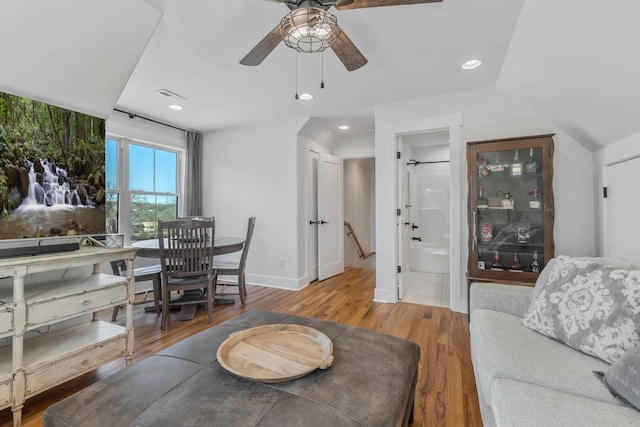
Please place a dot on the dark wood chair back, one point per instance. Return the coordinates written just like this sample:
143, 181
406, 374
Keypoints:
186, 257
185, 247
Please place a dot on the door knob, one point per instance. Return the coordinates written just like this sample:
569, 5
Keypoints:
313, 222
324, 222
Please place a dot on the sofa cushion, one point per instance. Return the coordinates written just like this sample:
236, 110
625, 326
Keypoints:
500, 297
623, 377
589, 306
521, 404
502, 347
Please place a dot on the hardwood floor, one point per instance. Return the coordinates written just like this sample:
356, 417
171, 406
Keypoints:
445, 393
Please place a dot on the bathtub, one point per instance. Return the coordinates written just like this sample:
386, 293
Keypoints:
426, 258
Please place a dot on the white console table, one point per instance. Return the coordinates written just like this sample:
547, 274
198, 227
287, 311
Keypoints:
30, 366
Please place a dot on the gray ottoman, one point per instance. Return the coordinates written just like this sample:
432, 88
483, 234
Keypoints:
371, 383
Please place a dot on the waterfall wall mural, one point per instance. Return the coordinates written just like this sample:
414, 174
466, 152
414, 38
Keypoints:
52, 164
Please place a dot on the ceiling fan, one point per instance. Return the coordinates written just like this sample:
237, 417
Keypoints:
310, 27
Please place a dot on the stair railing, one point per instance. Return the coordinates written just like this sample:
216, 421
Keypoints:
352, 233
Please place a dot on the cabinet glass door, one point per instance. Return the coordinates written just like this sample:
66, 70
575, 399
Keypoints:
510, 208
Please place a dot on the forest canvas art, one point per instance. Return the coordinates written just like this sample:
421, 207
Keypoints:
52, 169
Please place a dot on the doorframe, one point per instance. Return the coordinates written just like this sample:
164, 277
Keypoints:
604, 202
311, 194
402, 242
386, 196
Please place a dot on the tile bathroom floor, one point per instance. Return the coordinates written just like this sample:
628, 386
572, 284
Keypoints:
427, 289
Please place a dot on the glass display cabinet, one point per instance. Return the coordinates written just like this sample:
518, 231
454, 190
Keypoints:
510, 208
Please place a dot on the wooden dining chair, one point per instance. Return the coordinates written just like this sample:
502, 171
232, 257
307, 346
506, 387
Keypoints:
186, 257
230, 268
149, 273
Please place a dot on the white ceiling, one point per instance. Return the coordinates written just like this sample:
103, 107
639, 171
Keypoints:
68, 52
576, 63
572, 61
413, 51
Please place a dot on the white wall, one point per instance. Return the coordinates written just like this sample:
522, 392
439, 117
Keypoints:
486, 114
253, 171
357, 147
624, 149
359, 210
429, 188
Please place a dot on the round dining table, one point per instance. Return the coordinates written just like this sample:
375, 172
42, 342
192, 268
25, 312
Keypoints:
221, 245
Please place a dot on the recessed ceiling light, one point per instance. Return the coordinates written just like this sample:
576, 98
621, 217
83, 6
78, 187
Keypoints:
176, 107
343, 127
471, 64
305, 96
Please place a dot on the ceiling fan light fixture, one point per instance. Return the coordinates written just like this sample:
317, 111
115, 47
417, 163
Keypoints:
305, 97
309, 29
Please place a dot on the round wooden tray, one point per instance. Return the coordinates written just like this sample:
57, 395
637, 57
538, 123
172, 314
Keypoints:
275, 353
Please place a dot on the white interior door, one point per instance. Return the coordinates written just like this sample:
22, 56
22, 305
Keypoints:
621, 208
330, 217
312, 215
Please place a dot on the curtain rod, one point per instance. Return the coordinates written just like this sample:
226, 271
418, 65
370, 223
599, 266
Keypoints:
133, 116
412, 162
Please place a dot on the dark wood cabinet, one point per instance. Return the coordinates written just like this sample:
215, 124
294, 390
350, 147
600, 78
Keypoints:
510, 208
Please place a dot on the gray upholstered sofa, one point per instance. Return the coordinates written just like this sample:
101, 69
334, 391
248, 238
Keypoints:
527, 379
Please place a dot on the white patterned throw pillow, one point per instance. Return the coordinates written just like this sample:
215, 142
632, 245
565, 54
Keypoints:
589, 305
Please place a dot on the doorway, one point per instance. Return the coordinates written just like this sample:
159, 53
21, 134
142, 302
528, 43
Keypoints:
359, 212
424, 223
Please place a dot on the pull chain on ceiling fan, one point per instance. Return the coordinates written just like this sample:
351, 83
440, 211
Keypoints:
310, 27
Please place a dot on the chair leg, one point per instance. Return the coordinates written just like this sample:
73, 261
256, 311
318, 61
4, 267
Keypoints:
210, 298
156, 292
244, 284
241, 289
165, 307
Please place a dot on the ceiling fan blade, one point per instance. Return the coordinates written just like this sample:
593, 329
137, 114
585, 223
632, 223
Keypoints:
359, 4
264, 48
348, 53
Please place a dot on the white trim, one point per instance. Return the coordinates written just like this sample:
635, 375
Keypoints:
604, 207
275, 282
384, 295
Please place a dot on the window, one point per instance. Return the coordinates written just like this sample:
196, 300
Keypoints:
142, 187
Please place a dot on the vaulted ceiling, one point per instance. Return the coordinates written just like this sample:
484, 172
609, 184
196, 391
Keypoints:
572, 61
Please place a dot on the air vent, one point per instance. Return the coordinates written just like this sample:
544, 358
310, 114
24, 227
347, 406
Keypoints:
172, 95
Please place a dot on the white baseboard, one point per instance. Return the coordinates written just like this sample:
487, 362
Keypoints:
270, 281
384, 295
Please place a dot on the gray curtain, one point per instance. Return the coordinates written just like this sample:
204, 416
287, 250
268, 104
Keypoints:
193, 182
